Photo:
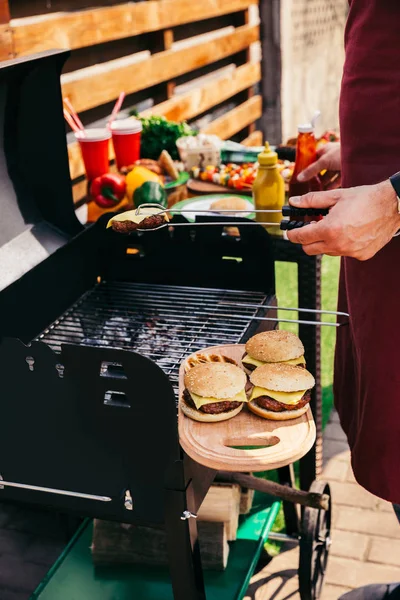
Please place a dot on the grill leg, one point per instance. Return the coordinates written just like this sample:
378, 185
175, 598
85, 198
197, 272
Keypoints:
290, 511
310, 296
183, 547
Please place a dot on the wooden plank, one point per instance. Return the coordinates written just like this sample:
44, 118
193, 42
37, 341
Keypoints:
122, 544
271, 120
6, 47
236, 119
221, 505
197, 101
184, 107
97, 85
96, 26
254, 139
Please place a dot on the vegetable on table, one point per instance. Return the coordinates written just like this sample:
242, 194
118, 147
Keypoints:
108, 190
150, 192
137, 177
159, 134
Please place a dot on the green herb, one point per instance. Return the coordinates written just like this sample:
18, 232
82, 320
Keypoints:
160, 134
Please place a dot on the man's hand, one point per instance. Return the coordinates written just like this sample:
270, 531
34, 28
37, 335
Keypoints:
328, 159
360, 222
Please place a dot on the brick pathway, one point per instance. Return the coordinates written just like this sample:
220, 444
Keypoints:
366, 535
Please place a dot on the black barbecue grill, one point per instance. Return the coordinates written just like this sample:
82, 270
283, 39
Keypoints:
164, 323
94, 326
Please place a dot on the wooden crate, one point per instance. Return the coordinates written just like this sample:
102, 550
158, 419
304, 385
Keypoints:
188, 61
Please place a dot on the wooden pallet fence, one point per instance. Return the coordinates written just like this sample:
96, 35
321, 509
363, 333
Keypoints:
151, 49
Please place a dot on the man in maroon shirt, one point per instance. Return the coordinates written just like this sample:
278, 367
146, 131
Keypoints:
361, 226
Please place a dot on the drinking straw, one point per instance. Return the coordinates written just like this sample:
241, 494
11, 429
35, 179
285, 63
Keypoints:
73, 113
71, 122
116, 109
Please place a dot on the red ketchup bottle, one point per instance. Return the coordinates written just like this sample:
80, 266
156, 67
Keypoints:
306, 154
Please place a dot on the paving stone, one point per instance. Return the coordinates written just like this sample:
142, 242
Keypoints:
384, 506
351, 494
350, 475
14, 542
384, 551
335, 470
10, 595
336, 449
17, 575
334, 418
349, 544
355, 573
286, 561
333, 592
333, 431
368, 521
277, 587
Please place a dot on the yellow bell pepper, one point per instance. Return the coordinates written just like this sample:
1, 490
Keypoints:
137, 177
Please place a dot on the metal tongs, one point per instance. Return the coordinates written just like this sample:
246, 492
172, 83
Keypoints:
286, 224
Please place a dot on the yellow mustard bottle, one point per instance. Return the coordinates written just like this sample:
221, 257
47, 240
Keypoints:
269, 189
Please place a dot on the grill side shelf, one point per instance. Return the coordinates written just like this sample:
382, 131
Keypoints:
77, 428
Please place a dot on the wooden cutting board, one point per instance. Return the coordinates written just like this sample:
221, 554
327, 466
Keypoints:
278, 443
198, 187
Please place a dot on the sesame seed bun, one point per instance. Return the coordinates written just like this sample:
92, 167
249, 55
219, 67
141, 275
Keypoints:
197, 415
215, 380
275, 346
276, 416
282, 378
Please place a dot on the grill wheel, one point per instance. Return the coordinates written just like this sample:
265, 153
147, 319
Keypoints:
315, 542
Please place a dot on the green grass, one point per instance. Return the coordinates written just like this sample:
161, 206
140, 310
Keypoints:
286, 291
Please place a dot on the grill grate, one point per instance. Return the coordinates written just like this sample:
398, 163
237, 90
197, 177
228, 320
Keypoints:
164, 323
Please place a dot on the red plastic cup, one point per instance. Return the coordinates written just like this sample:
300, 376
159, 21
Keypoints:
126, 135
94, 145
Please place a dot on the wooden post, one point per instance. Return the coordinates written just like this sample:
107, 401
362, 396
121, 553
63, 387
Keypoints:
6, 42
271, 69
168, 42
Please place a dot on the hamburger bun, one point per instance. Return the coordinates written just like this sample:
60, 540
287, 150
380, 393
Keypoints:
275, 346
197, 415
215, 380
229, 202
282, 378
286, 415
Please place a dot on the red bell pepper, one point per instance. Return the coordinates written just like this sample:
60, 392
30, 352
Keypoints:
108, 190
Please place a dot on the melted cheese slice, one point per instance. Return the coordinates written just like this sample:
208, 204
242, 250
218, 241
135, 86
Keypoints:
284, 397
200, 401
130, 215
258, 363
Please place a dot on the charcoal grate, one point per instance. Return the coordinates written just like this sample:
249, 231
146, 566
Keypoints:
164, 323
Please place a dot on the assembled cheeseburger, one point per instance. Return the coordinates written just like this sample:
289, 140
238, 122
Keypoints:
280, 392
214, 392
274, 346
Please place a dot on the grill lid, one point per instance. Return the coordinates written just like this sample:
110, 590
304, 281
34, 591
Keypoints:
37, 215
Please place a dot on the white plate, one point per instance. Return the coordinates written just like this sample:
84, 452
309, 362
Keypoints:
204, 204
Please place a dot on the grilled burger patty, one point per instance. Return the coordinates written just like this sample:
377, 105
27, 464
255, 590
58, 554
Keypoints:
271, 404
213, 409
148, 223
